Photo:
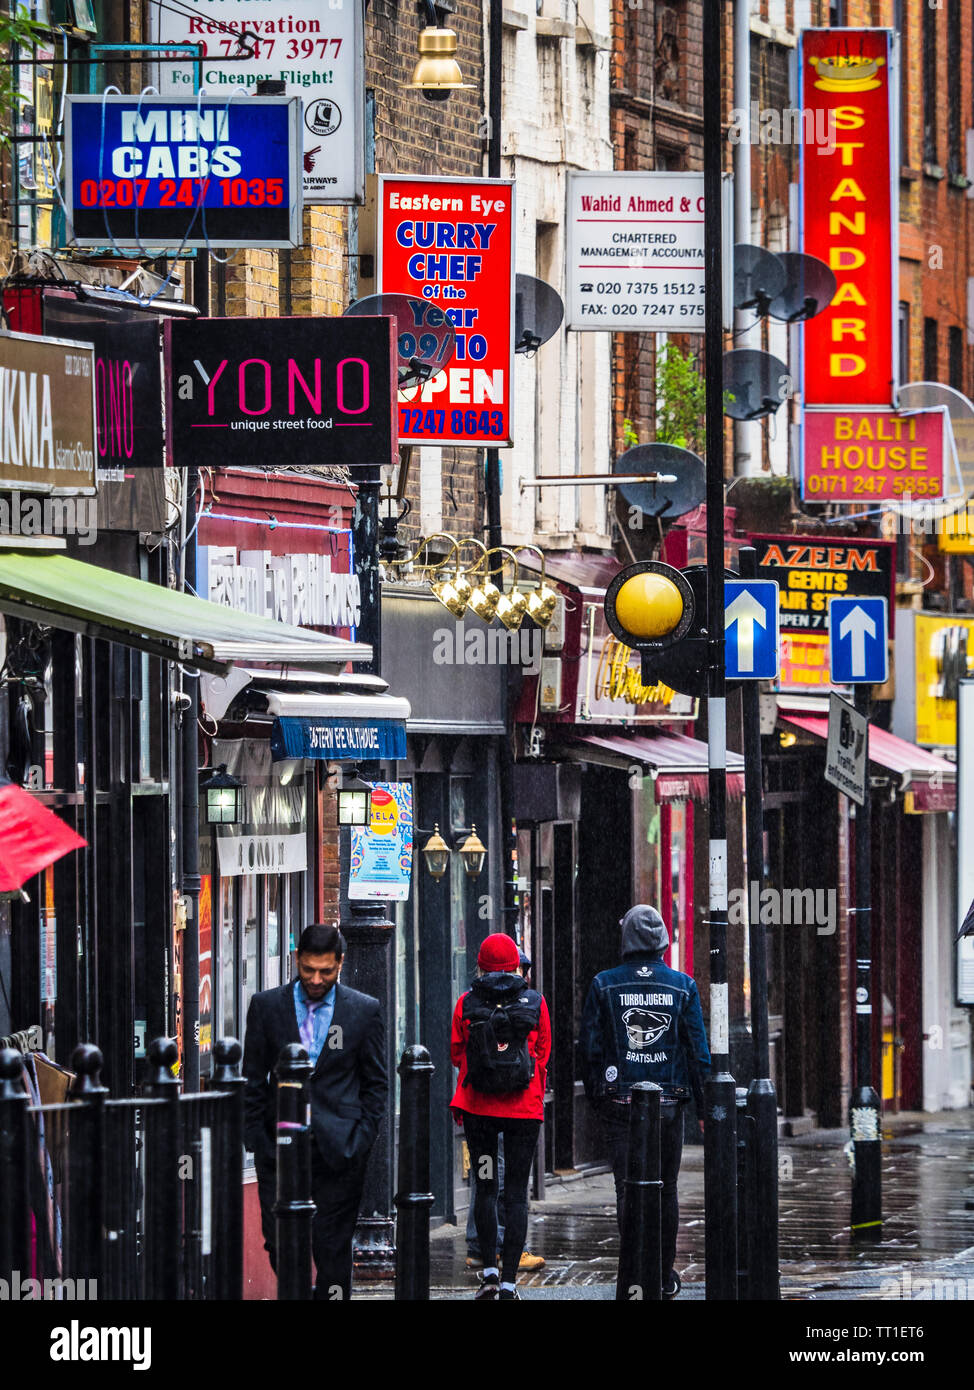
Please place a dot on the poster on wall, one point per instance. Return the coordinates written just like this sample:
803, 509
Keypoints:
317, 50
382, 853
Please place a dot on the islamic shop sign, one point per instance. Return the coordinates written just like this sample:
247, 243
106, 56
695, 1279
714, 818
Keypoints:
874, 455
201, 172
849, 217
315, 47
451, 243
301, 391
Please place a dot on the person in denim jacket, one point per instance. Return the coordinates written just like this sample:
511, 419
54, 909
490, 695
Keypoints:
642, 1022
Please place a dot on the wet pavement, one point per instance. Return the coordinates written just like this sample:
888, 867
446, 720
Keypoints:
928, 1232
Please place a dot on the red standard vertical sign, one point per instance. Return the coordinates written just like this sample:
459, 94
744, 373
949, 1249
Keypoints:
450, 243
848, 214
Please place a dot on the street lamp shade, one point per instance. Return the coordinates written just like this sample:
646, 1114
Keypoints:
473, 853
437, 73
436, 852
224, 797
354, 801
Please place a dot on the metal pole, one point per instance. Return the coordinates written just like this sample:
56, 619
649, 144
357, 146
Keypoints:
294, 1208
762, 1102
640, 1246
414, 1199
720, 1162
747, 433
227, 1054
15, 1162
865, 1110
163, 1194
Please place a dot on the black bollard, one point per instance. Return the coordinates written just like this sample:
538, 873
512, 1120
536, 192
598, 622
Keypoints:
640, 1253
85, 1214
228, 1246
14, 1168
294, 1208
763, 1282
413, 1198
163, 1194
743, 1162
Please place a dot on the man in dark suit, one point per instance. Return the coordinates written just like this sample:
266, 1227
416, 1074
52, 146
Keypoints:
342, 1032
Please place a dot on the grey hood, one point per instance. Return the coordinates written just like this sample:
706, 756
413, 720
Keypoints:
643, 930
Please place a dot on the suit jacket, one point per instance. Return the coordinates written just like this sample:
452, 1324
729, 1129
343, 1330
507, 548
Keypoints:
349, 1084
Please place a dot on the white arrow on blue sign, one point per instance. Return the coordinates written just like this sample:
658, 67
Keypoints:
857, 640
750, 629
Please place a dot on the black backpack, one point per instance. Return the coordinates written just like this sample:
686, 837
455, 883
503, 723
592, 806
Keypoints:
500, 1015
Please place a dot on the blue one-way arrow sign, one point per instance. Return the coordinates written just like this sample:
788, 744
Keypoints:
857, 640
750, 629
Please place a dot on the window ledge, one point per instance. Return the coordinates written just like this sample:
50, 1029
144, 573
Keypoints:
586, 38
513, 19
910, 175
933, 171
554, 28
958, 181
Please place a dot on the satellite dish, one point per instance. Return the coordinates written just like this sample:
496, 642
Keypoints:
810, 288
538, 312
663, 500
427, 339
759, 277
755, 384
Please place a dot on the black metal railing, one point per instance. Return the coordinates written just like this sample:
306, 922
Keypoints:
131, 1198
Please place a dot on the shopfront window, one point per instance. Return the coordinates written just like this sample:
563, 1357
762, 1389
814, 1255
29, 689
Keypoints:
646, 844
228, 1001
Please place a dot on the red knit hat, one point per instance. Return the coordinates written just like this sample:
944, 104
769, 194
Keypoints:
499, 952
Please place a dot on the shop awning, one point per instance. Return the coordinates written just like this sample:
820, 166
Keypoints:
96, 602
337, 728
930, 781
677, 764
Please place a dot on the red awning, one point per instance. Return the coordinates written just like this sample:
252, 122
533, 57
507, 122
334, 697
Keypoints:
677, 764
31, 837
930, 779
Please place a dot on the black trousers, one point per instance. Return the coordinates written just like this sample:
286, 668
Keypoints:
615, 1123
520, 1143
337, 1198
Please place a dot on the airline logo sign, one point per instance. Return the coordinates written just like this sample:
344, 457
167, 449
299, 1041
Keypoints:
848, 215
450, 243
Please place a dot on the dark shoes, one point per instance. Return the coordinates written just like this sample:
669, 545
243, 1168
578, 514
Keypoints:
672, 1286
508, 1296
489, 1289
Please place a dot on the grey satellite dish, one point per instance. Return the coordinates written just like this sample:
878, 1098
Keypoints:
538, 312
427, 339
663, 500
755, 384
759, 277
924, 395
810, 288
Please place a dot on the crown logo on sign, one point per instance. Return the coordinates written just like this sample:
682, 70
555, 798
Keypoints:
847, 73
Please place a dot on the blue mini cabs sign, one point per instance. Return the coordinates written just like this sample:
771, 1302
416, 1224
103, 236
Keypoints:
180, 174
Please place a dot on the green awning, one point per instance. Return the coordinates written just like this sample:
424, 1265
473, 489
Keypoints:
64, 593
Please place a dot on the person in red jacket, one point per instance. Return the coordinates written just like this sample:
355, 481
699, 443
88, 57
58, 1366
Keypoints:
501, 1038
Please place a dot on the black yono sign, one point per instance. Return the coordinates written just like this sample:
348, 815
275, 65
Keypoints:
128, 377
265, 392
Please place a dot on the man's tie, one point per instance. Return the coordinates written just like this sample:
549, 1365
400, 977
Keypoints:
308, 1027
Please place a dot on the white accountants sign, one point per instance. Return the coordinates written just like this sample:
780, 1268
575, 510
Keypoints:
635, 251
315, 47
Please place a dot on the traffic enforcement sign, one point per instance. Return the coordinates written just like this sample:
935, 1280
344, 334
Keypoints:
857, 640
750, 629
847, 749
